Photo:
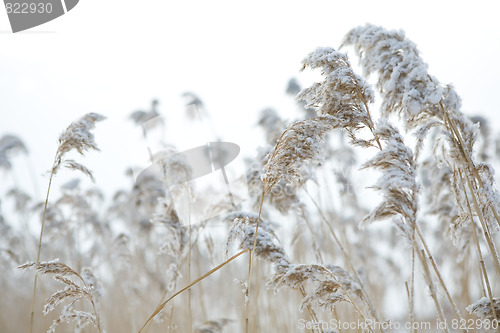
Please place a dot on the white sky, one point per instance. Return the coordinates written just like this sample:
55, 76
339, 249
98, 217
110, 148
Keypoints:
114, 57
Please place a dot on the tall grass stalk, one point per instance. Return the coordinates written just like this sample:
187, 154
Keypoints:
76, 137
39, 250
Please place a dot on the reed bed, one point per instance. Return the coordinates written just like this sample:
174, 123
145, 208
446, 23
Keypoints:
375, 211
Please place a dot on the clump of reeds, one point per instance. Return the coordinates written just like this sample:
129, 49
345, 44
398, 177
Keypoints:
408, 90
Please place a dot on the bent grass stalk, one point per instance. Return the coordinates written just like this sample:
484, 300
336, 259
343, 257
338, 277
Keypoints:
183, 261
207, 274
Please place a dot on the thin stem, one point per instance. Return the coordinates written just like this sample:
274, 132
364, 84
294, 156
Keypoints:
432, 289
483, 271
190, 314
438, 274
487, 236
347, 260
313, 235
210, 272
461, 145
247, 307
250, 259
411, 293
180, 266
32, 316
97, 318
309, 308
202, 292
91, 300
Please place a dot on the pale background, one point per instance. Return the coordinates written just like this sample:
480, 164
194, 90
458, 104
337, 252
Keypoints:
113, 57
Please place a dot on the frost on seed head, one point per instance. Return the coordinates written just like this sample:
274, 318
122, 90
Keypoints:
483, 310
406, 87
397, 183
300, 143
267, 246
77, 287
77, 136
341, 91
